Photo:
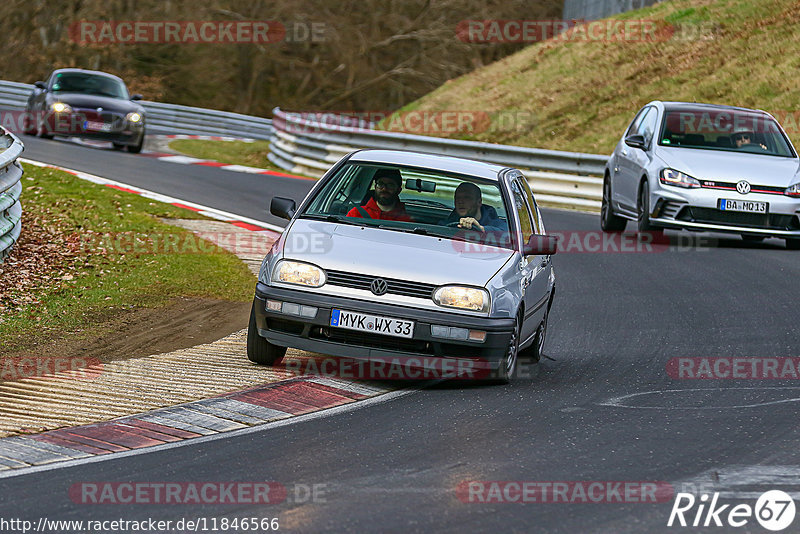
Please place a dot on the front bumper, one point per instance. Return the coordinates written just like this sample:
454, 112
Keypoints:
698, 210
73, 124
316, 335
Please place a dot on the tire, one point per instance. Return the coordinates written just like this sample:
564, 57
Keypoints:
259, 350
28, 124
118, 146
42, 130
135, 149
643, 208
535, 352
793, 244
507, 367
608, 221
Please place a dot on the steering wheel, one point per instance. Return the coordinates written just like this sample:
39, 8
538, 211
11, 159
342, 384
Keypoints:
453, 224
753, 147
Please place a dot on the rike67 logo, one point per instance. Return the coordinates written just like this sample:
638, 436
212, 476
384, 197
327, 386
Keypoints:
774, 510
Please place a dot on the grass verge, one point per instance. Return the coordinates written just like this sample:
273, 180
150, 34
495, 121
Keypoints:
251, 154
87, 251
579, 94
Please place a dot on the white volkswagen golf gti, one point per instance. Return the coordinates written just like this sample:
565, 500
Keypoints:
704, 167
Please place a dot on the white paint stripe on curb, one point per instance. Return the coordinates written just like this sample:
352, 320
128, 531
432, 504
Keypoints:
206, 210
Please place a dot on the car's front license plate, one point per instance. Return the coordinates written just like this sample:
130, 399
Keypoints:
377, 324
750, 206
98, 126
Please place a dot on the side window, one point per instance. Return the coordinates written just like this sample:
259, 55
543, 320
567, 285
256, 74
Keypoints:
648, 125
634, 127
537, 226
521, 208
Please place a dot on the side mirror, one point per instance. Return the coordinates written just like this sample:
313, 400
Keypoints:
540, 245
136, 96
635, 141
283, 207
40, 85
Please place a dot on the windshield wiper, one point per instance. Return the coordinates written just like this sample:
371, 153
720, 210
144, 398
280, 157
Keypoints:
330, 218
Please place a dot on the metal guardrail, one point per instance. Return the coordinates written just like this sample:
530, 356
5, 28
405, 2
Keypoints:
167, 118
10, 189
562, 179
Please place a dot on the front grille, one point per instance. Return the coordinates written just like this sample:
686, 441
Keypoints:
730, 186
375, 341
755, 220
107, 117
395, 287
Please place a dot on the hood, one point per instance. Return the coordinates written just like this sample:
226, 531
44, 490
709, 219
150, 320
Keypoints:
84, 101
391, 254
731, 166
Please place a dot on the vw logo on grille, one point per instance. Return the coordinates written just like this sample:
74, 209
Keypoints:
743, 187
99, 110
379, 286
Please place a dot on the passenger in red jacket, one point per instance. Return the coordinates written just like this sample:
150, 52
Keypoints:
385, 202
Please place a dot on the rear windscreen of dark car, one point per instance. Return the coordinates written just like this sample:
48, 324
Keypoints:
728, 130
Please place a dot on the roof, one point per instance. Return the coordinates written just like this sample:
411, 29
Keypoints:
452, 164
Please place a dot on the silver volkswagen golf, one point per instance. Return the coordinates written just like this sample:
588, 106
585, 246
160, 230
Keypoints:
410, 257
704, 167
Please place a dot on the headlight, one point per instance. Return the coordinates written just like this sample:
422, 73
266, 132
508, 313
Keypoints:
60, 107
298, 273
134, 117
673, 177
464, 298
793, 190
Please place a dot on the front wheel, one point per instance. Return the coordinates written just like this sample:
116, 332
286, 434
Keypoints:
43, 130
135, 149
259, 350
643, 208
608, 221
28, 124
535, 352
508, 364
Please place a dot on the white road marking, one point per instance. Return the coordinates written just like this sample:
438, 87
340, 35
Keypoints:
206, 210
620, 402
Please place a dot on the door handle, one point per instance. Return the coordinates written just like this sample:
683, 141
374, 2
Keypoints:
624, 152
545, 261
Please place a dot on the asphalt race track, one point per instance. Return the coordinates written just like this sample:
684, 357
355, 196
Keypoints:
395, 466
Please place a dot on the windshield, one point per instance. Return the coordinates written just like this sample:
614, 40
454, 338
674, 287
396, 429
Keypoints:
414, 200
90, 84
728, 130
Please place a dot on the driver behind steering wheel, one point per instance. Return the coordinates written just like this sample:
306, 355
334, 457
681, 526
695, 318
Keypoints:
744, 136
385, 201
470, 213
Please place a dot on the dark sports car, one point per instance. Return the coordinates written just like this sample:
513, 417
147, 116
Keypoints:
87, 104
